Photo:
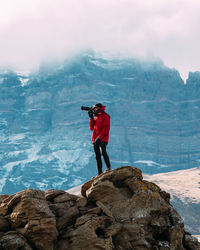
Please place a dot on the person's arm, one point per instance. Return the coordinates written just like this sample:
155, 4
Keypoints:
91, 124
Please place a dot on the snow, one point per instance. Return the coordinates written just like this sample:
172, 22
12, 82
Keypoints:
197, 236
129, 78
185, 184
7, 168
16, 137
79, 156
75, 190
150, 163
118, 161
15, 153
24, 81
105, 83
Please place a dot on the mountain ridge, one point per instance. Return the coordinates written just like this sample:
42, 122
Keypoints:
45, 136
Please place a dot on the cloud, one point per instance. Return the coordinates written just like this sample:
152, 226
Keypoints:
33, 30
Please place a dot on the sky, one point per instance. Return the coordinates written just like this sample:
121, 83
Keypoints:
33, 31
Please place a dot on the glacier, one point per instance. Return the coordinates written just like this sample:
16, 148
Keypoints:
45, 137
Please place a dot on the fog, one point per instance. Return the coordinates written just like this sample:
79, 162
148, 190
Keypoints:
33, 31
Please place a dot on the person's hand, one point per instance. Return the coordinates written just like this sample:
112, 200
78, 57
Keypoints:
90, 113
97, 141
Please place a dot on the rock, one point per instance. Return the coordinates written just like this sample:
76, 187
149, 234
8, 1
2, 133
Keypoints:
104, 209
96, 210
5, 206
68, 218
83, 219
3, 197
29, 210
60, 209
50, 194
117, 210
190, 242
141, 207
4, 224
113, 230
176, 235
86, 186
89, 235
175, 218
81, 202
14, 241
65, 197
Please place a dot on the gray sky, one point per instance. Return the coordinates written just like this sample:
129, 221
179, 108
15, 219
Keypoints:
31, 31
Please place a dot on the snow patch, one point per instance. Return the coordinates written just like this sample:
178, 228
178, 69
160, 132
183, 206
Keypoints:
7, 168
15, 153
118, 161
16, 137
185, 184
75, 190
105, 83
150, 163
68, 157
24, 81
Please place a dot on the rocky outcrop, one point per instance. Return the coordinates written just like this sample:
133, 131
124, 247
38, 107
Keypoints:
116, 210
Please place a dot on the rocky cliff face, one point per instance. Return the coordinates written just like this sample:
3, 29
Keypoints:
116, 210
154, 120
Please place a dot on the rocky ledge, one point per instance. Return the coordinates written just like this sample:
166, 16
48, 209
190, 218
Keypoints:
116, 210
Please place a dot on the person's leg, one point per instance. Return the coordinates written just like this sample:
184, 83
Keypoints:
105, 155
98, 158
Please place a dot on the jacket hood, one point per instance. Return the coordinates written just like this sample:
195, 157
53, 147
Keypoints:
103, 108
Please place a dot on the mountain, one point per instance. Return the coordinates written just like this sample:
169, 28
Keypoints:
45, 137
117, 210
183, 185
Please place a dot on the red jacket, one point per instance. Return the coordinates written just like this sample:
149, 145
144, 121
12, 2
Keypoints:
100, 125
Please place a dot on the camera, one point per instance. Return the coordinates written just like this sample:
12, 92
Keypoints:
87, 108
90, 110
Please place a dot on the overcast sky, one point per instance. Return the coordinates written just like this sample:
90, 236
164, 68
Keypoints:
33, 30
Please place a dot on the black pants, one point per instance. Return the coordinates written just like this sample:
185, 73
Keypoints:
99, 151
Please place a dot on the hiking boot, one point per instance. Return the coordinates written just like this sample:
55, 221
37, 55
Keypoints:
107, 170
96, 176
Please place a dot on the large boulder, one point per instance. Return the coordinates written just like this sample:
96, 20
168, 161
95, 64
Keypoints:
116, 210
14, 241
28, 213
141, 208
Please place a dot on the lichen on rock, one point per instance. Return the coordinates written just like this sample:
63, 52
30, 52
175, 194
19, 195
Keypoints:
116, 210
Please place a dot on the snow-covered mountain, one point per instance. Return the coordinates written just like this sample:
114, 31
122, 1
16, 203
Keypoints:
184, 187
45, 138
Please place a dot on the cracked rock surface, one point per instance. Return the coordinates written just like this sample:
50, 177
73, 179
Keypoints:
116, 210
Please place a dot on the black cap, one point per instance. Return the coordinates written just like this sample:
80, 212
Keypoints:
98, 105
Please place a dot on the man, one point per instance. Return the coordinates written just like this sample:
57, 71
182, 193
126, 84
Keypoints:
100, 125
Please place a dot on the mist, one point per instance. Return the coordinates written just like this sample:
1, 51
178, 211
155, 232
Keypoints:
42, 30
